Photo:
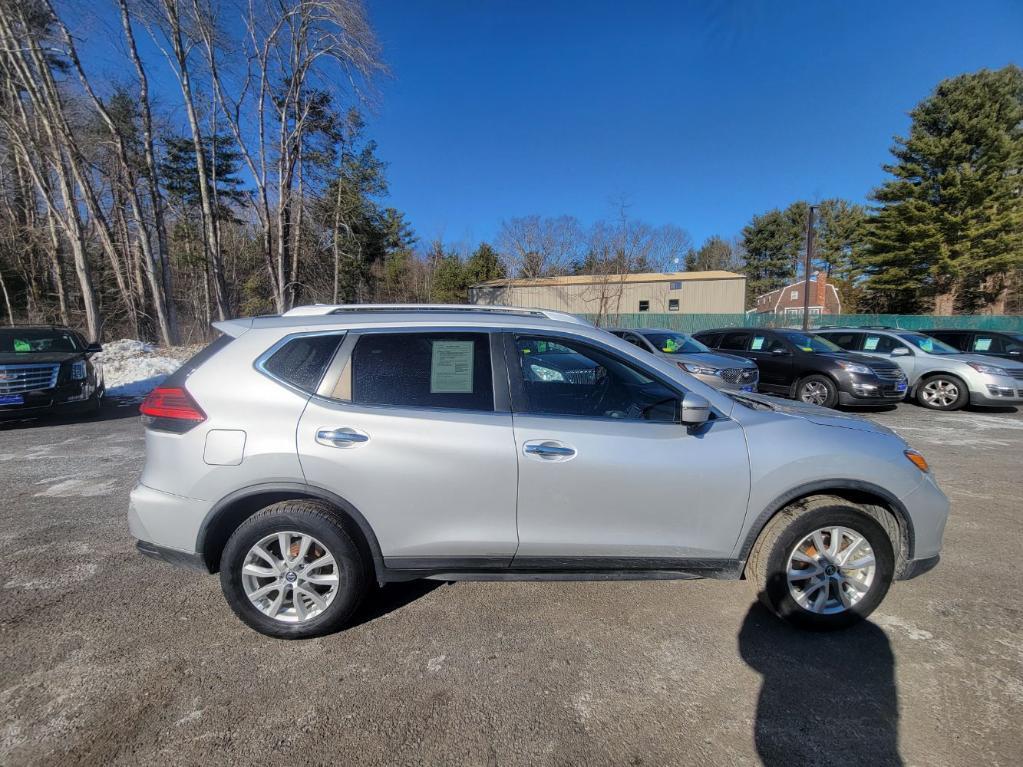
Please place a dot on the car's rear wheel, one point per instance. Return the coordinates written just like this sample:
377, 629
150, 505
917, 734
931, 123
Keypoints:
817, 390
292, 571
823, 564
942, 392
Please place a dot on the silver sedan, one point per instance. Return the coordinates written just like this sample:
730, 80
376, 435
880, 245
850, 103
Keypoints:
722, 371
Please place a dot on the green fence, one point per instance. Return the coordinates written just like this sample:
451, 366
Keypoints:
690, 323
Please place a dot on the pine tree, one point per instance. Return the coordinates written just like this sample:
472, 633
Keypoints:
483, 265
772, 244
715, 253
947, 234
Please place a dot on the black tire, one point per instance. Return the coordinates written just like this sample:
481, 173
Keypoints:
300, 516
962, 392
831, 398
767, 567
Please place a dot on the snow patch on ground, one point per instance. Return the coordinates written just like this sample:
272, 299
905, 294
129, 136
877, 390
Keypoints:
133, 368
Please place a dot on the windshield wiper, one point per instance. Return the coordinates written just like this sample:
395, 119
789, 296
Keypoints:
756, 404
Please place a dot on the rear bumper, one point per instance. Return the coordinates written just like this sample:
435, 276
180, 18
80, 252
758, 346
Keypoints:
172, 556
164, 521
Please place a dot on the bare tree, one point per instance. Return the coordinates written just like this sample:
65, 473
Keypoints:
534, 246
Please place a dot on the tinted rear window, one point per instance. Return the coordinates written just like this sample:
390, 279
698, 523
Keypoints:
303, 360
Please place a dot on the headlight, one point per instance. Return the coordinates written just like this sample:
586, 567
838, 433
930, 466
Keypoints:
855, 367
991, 370
702, 370
546, 374
78, 370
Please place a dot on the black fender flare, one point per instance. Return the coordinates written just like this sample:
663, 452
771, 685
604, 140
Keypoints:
285, 490
824, 487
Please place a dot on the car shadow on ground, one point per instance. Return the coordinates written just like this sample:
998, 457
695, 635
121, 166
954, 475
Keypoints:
825, 698
389, 598
111, 409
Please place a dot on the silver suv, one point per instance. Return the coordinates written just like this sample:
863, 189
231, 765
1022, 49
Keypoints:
306, 456
722, 371
940, 376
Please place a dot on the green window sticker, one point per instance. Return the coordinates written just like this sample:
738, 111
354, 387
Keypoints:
758, 343
982, 345
22, 346
871, 343
451, 367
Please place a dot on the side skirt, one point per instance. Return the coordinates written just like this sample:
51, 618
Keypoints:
559, 569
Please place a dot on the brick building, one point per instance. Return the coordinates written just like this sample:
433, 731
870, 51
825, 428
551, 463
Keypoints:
824, 298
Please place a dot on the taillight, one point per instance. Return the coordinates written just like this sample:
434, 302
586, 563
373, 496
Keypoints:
173, 403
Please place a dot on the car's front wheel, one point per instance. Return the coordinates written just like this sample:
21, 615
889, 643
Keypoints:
942, 392
822, 564
818, 390
292, 572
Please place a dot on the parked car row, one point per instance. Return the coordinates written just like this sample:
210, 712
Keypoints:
849, 366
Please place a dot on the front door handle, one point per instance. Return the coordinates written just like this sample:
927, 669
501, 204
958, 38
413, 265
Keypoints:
341, 437
549, 450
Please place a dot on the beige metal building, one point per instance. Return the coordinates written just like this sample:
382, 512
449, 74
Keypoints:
712, 292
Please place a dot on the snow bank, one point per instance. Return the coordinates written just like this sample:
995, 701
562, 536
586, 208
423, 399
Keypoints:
133, 368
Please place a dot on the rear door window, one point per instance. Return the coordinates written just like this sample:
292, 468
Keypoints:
441, 370
880, 344
850, 341
735, 341
766, 344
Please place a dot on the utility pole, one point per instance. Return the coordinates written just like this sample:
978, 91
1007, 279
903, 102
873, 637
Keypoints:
806, 267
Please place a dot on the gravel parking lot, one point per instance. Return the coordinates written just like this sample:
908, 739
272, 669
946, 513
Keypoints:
108, 657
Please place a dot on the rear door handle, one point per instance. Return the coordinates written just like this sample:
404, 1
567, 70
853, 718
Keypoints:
548, 450
344, 436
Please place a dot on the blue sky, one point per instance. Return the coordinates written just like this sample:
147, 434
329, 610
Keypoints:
698, 114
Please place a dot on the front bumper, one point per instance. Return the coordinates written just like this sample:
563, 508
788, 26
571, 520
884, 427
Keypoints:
719, 383
71, 397
996, 391
865, 390
849, 399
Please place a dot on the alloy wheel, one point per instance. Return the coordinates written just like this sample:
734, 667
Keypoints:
940, 393
290, 577
814, 393
830, 570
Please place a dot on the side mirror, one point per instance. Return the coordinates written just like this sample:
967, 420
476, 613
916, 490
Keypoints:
900, 351
695, 409
1015, 352
93, 348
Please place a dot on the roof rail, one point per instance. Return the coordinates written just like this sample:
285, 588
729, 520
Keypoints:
319, 310
857, 327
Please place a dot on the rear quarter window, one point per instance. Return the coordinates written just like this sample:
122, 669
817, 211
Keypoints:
303, 360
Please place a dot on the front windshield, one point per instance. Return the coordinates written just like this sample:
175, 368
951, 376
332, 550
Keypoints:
36, 341
928, 344
808, 342
675, 343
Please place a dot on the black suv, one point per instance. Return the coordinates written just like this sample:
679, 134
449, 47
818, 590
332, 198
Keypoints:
810, 368
996, 343
47, 369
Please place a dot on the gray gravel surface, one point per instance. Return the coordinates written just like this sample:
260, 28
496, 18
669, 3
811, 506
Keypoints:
111, 658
